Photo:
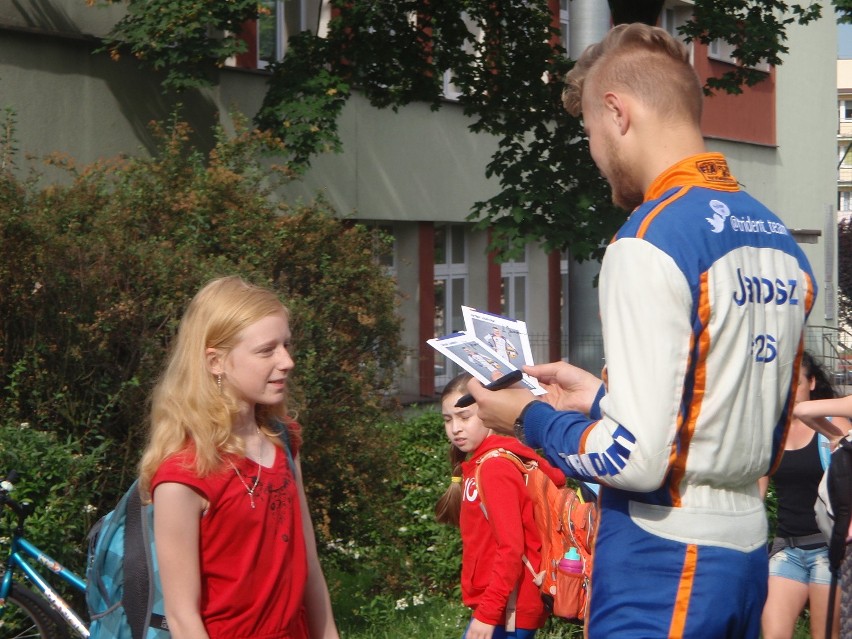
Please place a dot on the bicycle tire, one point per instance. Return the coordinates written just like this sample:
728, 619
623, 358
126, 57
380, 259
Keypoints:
28, 616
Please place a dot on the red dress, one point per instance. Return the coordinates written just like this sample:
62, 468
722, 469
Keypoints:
253, 561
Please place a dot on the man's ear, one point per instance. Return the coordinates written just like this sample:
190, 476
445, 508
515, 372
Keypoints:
618, 110
214, 361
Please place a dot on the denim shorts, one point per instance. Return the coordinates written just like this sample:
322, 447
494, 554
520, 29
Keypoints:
804, 566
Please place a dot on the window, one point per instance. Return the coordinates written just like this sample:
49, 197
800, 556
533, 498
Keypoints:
451, 91
844, 204
282, 19
674, 14
451, 276
845, 110
724, 52
844, 155
513, 294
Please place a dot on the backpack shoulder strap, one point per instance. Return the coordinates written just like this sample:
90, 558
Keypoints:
824, 447
522, 467
137, 560
284, 436
840, 495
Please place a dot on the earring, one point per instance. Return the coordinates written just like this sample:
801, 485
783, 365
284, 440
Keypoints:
219, 382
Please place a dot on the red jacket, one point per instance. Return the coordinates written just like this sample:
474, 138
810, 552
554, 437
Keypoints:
492, 547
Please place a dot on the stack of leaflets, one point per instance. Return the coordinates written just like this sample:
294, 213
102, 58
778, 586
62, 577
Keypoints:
490, 347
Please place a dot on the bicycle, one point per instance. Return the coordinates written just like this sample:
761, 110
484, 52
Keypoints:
25, 612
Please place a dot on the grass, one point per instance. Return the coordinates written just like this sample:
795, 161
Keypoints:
441, 619
416, 617
432, 619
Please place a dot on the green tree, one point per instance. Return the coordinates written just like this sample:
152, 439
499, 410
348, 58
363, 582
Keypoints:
549, 192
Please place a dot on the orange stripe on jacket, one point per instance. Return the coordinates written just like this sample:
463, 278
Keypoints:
791, 401
687, 430
643, 228
582, 447
684, 592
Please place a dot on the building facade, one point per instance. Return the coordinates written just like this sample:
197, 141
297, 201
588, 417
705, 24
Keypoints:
844, 139
416, 173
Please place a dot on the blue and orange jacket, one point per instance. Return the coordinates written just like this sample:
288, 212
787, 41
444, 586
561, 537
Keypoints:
704, 295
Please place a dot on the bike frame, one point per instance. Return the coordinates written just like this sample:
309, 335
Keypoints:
21, 548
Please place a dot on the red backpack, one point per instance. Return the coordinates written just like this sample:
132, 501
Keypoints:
563, 519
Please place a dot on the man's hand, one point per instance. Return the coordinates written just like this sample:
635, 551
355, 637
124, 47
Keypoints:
568, 387
499, 409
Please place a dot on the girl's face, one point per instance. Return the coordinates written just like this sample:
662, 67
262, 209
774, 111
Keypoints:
463, 426
256, 368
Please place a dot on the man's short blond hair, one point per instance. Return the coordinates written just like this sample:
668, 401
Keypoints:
645, 61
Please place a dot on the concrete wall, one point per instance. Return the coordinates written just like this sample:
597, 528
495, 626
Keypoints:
797, 179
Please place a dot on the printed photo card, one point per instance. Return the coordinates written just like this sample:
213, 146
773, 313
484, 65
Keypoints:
507, 337
491, 347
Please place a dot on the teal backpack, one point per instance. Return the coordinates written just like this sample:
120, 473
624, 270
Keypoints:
123, 591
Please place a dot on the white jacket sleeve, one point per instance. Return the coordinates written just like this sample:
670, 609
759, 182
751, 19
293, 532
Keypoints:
647, 317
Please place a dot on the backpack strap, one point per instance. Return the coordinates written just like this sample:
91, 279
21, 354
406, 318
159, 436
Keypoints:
137, 581
840, 494
824, 447
284, 436
505, 454
524, 468
512, 609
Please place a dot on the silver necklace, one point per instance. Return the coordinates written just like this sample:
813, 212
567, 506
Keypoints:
251, 490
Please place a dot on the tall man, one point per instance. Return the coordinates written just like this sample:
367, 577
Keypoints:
703, 300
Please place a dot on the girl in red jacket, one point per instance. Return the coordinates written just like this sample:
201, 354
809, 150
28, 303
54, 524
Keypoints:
495, 583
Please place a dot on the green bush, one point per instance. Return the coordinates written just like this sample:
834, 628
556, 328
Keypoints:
99, 266
60, 476
408, 554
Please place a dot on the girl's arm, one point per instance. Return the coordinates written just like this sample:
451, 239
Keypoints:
814, 413
317, 600
177, 525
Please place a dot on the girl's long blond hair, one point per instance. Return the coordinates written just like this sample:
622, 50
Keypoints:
187, 405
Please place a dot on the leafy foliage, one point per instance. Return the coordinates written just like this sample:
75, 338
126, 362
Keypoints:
844, 11
397, 51
303, 101
510, 82
61, 476
757, 31
99, 270
185, 40
415, 555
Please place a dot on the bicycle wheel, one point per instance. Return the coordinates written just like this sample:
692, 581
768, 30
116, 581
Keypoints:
28, 616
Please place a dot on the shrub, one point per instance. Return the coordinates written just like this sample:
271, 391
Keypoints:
409, 554
61, 477
97, 272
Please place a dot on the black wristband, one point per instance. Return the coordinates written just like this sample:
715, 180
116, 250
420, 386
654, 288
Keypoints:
518, 426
